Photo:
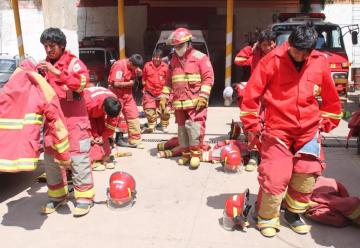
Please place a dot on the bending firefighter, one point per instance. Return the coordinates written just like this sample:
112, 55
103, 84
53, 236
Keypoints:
190, 78
103, 109
68, 76
287, 82
154, 78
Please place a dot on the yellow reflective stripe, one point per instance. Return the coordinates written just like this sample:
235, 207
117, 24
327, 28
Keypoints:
184, 104
57, 193
355, 214
296, 205
31, 118
240, 59
274, 222
84, 194
235, 212
47, 90
166, 90
185, 78
205, 88
110, 127
18, 164
245, 113
186, 38
61, 131
61, 147
331, 115
82, 83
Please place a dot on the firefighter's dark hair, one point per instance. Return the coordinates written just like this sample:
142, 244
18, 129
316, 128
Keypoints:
112, 106
158, 53
266, 35
53, 35
136, 60
303, 37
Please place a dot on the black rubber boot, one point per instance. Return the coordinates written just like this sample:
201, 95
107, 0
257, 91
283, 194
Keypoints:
295, 223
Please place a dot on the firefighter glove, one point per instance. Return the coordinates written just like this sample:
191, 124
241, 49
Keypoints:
202, 103
162, 104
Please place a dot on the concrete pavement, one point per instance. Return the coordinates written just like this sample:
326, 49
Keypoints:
175, 207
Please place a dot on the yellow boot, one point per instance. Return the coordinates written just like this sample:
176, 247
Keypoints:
295, 223
195, 159
185, 158
97, 166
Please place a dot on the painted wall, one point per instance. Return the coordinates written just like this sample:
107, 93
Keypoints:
342, 14
32, 25
102, 21
63, 14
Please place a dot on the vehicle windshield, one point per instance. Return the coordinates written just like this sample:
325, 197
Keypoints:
7, 65
329, 36
92, 57
167, 49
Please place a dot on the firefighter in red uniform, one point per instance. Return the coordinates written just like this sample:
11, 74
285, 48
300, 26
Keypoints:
103, 108
121, 80
190, 78
154, 78
250, 56
68, 76
287, 81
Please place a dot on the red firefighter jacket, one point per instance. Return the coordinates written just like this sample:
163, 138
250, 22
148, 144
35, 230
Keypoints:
121, 73
94, 99
333, 205
188, 78
26, 101
154, 77
74, 75
248, 57
289, 96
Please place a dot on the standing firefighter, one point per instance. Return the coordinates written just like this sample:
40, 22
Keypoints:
103, 108
68, 76
190, 78
121, 79
288, 80
250, 56
154, 78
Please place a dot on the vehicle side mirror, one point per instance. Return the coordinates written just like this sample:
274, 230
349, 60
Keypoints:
354, 37
112, 61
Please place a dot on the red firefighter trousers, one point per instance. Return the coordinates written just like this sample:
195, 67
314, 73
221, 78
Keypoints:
191, 128
78, 125
131, 114
281, 171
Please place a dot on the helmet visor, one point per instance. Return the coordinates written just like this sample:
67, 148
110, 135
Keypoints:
228, 222
119, 205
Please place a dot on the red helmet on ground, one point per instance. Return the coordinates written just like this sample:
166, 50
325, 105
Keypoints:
179, 36
236, 211
121, 192
230, 158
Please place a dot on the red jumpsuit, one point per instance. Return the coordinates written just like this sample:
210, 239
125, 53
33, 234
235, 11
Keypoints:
101, 124
154, 79
121, 73
189, 78
69, 86
26, 101
248, 57
291, 155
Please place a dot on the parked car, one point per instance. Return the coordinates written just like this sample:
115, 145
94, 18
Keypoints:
8, 64
99, 53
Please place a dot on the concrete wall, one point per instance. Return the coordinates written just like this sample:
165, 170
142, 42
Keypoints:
32, 25
103, 21
248, 19
63, 14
